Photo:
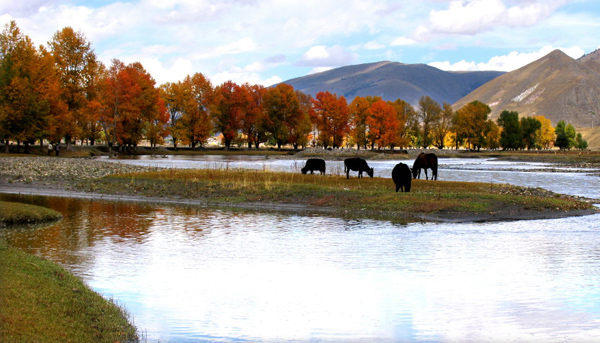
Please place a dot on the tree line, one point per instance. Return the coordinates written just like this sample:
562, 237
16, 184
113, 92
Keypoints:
62, 92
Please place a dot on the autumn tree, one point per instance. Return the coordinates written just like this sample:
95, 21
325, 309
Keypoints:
404, 112
429, 112
545, 135
130, 103
469, 123
77, 67
492, 135
384, 124
173, 96
253, 114
227, 111
441, 127
332, 117
197, 123
300, 133
89, 120
359, 112
28, 88
283, 111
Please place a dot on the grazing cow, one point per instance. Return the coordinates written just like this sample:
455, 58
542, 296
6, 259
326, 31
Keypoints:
425, 161
402, 177
313, 164
357, 164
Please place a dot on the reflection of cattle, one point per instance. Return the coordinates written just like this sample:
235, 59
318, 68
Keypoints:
313, 164
357, 164
425, 161
402, 177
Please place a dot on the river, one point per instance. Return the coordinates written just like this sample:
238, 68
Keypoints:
189, 274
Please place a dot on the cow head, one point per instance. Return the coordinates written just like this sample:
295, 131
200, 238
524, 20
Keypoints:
370, 172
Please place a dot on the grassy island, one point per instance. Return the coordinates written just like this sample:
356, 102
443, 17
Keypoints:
334, 194
17, 213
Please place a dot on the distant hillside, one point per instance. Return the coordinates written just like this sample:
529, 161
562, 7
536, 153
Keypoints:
393, 80
555, 86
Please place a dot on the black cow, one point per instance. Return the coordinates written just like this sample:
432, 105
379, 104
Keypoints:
357, 164
313, 164
425, 161
402, 177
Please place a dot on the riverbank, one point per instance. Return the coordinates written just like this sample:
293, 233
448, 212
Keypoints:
43, 302
285, 192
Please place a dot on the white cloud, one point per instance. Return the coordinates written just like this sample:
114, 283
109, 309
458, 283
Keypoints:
512, 61
322, 56
161, 74
373, 45
476, 16
400, 41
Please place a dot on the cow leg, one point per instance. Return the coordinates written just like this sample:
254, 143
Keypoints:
426, 177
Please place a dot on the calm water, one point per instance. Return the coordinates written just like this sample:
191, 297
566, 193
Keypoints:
190, 274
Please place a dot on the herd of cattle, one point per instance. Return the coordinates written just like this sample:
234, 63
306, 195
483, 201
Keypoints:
402, 175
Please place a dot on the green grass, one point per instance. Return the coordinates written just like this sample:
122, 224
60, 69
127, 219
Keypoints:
17, 213
42, 302
367, 197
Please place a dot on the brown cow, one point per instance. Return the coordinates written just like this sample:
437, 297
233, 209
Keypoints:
425, 161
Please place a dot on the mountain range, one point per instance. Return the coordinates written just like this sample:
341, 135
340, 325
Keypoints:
555, 86
393, 80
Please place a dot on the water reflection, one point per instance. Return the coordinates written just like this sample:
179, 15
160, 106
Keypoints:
189, 274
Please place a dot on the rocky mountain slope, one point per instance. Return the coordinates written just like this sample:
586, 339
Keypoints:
555, 86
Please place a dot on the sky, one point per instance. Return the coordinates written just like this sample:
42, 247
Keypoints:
270, 41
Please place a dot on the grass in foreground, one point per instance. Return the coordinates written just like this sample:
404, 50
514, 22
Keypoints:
17, 213
42, 302
367, 197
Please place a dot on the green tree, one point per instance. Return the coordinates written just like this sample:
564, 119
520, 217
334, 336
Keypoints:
529, 132
510, 138
565, 135
580, 143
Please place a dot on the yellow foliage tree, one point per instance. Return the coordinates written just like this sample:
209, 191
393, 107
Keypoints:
545, 135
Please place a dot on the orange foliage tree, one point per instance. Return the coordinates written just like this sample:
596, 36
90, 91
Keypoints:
28, 88
359, 112
384, 124
283, 111
77, 68
197, 96
253, 114
332, 118
227, 111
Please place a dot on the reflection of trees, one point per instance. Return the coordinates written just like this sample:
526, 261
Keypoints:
85, 223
